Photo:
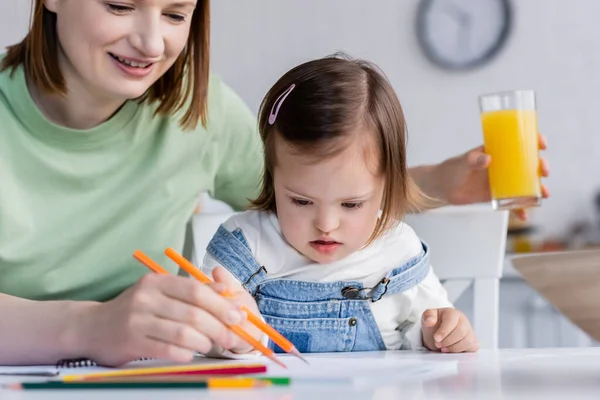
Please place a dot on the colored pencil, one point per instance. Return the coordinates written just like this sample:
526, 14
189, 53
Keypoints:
277, 337
236, 370
214, 383
212, 369
278, 381
150, 263
248, 338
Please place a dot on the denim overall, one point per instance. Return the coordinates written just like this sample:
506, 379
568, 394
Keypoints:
315, 316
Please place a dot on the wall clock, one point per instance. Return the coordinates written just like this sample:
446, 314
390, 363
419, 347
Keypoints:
463, 34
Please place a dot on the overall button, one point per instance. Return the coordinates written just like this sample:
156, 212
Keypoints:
350, 292
352, 321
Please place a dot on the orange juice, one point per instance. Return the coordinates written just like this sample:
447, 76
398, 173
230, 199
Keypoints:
511, 139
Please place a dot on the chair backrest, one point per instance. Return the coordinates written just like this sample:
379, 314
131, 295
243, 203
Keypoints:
467, 245
466, 242
204, 227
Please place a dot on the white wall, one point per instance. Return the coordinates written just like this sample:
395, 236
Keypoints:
554, 49
14, 19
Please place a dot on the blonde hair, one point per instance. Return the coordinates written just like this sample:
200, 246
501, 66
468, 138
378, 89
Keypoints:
186, 82
331, 97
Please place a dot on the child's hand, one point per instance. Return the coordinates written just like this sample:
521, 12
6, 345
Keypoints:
224, 281
448, 330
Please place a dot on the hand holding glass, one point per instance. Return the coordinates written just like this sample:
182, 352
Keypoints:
510, 135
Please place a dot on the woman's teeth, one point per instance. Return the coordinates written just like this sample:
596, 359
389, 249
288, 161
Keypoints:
130, 63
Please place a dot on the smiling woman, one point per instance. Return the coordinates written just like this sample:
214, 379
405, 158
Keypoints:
148, 41
111, 127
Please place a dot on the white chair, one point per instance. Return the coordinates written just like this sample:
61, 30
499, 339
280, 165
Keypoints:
204, 226
467, 245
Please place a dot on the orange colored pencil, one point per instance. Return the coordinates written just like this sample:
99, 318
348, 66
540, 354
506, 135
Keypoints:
148, 262
277, 337
248, 338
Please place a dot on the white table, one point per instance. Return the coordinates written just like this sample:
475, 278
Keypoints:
490, 374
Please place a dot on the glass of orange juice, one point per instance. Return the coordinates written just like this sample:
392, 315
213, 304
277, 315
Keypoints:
510, 136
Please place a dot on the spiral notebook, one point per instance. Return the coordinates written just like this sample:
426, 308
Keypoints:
81, 364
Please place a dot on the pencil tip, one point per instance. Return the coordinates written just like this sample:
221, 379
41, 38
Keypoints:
277, 361
295, 352
304, 359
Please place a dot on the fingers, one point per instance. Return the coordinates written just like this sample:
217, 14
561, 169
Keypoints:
466, 344
191, 304
477, 158
202, 296
173, 340
462, 330
164, 317
244, 300
430, 318
454, 334
218, 287
545, 192
221, 275
197, 318
520, 214
543, 142
544, 167
449, 321
544, 171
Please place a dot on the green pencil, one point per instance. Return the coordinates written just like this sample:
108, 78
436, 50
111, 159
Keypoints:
213, 383
275, 380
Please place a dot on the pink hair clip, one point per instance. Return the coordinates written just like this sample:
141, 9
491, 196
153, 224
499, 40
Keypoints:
278, 103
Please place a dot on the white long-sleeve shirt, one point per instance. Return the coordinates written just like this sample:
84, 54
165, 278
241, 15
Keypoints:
368, 265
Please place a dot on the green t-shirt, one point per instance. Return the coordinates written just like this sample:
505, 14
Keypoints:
74, 205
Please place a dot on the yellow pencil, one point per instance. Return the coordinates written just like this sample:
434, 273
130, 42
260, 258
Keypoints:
279, 380
236, 383
172, 369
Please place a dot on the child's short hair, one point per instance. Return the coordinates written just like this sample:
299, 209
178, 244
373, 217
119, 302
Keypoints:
332, 97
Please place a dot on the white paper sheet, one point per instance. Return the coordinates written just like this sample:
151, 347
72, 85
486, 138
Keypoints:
356, 369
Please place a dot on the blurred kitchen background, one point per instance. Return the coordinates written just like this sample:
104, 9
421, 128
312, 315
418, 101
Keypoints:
551, 46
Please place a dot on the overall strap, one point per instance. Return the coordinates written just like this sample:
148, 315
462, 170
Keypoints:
232, 251
405, 277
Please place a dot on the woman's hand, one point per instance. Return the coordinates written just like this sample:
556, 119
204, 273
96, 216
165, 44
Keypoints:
241, 298
161, 316
464, 179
